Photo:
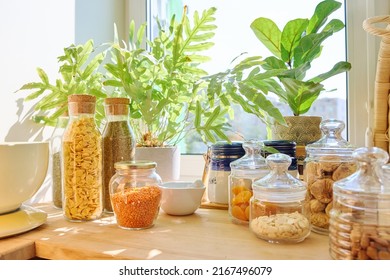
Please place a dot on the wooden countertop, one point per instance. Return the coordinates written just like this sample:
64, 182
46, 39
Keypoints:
207, 234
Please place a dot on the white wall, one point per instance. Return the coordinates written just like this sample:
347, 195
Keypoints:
33, 34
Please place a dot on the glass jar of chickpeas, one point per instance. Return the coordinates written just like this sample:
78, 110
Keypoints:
244, 171
135, 192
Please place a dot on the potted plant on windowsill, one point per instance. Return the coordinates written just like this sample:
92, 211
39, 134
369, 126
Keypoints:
163, 81
294, 48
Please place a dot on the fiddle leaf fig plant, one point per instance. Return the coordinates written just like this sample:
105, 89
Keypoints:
294, 48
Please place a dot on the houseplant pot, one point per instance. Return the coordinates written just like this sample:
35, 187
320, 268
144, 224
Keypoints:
300, 129
167, 159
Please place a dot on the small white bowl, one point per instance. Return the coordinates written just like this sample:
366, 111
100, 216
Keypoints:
181, 198
23, 168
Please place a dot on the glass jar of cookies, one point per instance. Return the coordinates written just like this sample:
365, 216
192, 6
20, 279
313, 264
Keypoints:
82, 161
327, 161
278, 212
244, 171
360, 218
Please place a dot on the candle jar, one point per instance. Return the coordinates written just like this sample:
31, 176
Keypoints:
244, 171
278, 207
360, 217
328, 160
82, 161
135, 191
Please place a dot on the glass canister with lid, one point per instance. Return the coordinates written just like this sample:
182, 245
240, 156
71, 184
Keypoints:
135, 191
328, 160
244, 171
360, 218
278, 211
217, 170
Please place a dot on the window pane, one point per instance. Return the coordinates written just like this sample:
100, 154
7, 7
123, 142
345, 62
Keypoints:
234, 36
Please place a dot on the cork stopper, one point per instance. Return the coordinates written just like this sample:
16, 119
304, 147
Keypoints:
117, 105
81, 104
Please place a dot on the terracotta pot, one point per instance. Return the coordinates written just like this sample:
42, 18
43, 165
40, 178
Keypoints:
300, 129
167, 159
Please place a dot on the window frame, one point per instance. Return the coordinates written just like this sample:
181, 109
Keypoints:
362, 51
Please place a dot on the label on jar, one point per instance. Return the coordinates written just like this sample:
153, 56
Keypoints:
217, 188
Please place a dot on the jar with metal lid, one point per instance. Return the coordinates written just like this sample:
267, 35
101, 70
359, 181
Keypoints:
135, 191
244, 171
284, 147
82, 161
278, 211
217, 170
118, 141
360, 218
328, 160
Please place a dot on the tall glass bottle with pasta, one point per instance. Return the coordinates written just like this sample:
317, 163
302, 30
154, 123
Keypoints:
82, 161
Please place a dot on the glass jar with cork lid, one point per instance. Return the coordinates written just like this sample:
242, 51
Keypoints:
82, 161
118, 141
135, 192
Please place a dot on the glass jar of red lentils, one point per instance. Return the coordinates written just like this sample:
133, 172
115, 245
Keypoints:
135, 193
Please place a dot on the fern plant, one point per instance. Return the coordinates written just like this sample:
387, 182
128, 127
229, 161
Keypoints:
79, 70
163, 81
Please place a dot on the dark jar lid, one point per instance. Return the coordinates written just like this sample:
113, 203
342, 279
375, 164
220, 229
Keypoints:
227, 149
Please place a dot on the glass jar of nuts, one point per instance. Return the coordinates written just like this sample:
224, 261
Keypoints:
135, 194
278, 205
244, 171
328, 160
360, 218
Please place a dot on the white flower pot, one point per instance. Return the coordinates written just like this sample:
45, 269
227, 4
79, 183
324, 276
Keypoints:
167, 159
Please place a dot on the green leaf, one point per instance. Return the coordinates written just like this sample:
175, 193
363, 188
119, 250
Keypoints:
301, 95
291, 35
273, 63
262, 102
198, 115
92, 66
42, 74
32, 85
269, 34
214, 115
321, 13
34, 95
338, 68
309, 48
334, 26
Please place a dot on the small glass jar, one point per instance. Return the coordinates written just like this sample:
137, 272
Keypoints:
118, 141
135, 192
360, 218
328, 160
278, 211
284, 147
217, 167
244, 171
56, 155
82, 161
